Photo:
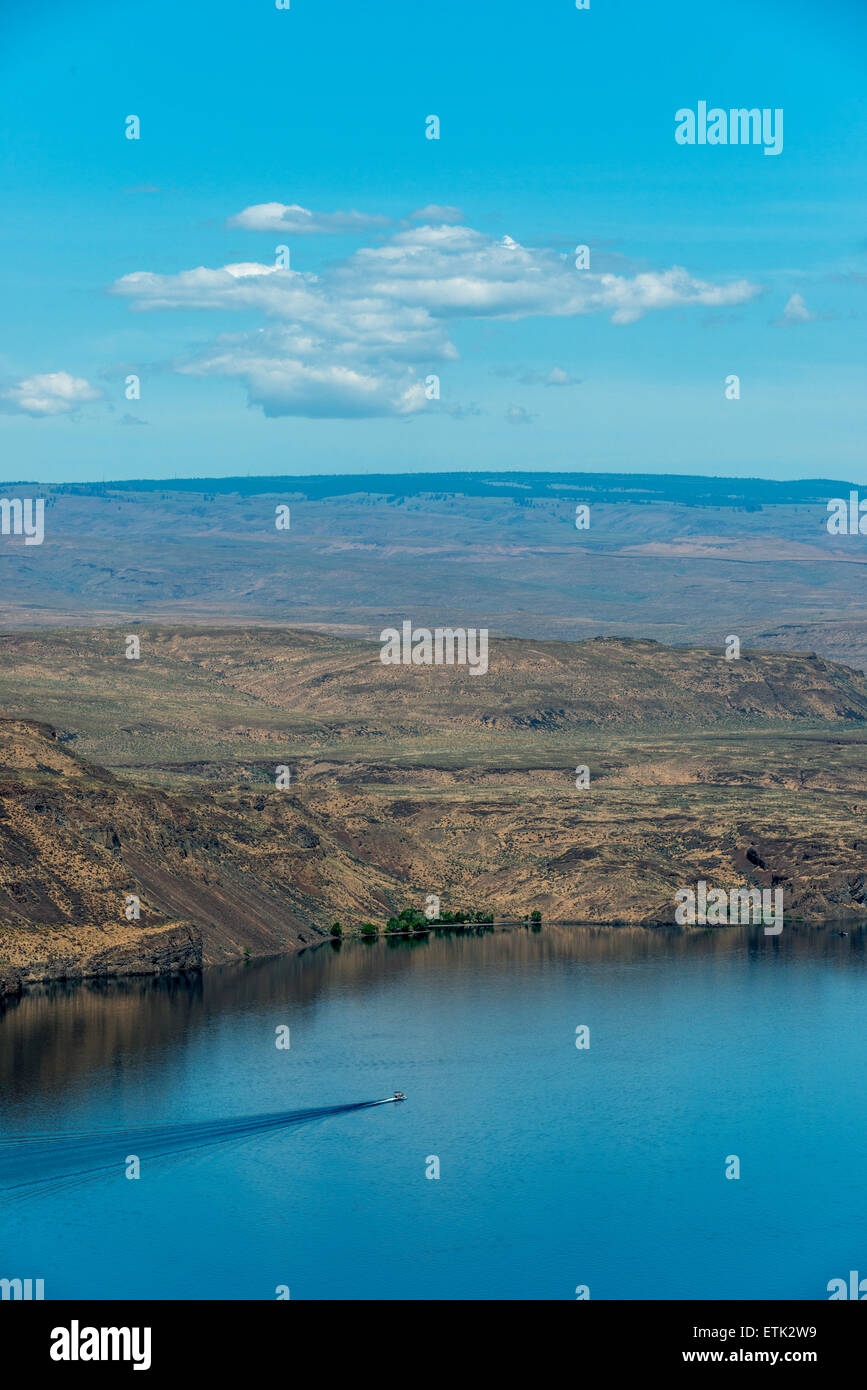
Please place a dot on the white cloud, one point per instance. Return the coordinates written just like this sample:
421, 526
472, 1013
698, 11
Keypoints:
51, 393
299, 221
272, 290
330, 355
290, 375
459, 271
340, 343
434, 212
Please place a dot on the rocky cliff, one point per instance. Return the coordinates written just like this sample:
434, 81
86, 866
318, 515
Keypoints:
165, 843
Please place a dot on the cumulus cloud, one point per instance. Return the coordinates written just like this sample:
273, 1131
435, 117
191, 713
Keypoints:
292, 218
457, 271
517, 415
333, 355
434, 212
248, 285
359, 338
50, 393
287, 374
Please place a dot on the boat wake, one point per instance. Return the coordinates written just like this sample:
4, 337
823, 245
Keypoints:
37, 1165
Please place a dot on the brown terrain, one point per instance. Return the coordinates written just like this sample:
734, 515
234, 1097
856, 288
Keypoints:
156, 777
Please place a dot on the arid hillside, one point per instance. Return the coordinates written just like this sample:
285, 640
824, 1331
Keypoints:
158, 777
278, 688
215, 878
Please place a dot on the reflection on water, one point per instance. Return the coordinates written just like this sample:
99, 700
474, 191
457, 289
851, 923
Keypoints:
57, 1031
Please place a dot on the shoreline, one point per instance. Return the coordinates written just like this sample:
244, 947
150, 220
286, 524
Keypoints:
175, 950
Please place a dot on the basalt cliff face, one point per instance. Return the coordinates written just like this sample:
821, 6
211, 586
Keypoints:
211, 879
152, 785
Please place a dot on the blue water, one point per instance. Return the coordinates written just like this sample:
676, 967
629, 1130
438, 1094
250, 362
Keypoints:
559, 1167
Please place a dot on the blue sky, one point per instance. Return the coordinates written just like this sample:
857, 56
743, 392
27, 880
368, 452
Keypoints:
557, 129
